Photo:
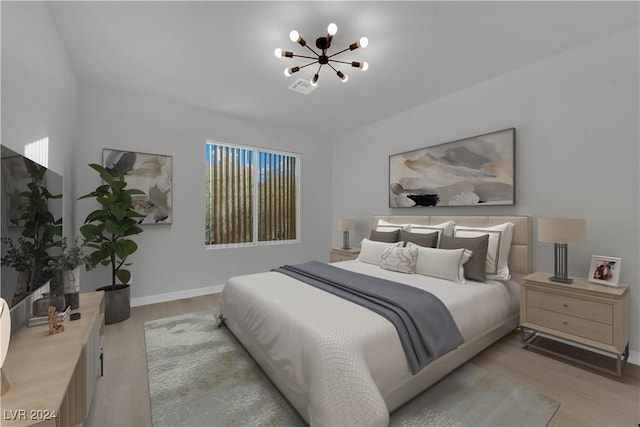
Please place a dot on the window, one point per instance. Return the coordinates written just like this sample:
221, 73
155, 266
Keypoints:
252, 196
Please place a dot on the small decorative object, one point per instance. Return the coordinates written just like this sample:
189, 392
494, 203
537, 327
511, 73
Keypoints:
346, 225
323, 44
605, 270
5, 335
560, 232
472, 171
54, 327
67, 268
151, 173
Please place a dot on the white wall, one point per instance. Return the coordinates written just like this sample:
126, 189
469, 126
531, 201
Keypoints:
39, 93
171, 258
577, 135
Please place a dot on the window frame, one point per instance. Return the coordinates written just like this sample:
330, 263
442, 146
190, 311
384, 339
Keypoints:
254, 203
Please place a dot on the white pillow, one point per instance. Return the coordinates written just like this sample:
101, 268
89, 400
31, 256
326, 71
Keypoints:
399, 259
445, 228
371, 251
387, 226
500, 237
443, 263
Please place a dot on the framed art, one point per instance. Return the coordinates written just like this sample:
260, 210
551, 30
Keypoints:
605, 270
473, 171
151, 173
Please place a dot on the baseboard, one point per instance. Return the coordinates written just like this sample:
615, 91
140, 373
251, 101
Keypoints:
172, 296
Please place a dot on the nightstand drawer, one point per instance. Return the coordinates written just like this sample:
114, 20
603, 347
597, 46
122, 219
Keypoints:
337, 257
589, 329
339, 254
590, 310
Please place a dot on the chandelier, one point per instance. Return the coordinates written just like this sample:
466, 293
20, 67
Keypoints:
322, 43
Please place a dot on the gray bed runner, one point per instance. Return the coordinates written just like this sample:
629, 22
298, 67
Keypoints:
424, 324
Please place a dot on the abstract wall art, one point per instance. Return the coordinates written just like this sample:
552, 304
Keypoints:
151, 173
473, 171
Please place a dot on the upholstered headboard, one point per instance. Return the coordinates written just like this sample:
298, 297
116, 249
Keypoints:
520, 253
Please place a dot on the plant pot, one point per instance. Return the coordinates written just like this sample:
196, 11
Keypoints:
117, 303
71, 283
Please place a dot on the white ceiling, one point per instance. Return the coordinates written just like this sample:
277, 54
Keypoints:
219, 55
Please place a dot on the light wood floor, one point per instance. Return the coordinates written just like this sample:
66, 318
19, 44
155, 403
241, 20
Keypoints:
586, 399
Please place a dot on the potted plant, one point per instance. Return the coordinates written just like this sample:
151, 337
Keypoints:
66, 269
108, 230
20, 257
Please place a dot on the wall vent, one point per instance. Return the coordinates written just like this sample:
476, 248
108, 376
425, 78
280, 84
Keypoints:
302, 86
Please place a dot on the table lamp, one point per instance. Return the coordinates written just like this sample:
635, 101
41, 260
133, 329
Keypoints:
346, 225
560, 232
5, 333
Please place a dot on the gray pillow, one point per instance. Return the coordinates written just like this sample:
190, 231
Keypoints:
475, 268
385, 236
428, 240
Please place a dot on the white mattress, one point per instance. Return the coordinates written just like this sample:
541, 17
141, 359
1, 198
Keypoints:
336, 360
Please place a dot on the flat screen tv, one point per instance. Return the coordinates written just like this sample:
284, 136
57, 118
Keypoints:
17, 172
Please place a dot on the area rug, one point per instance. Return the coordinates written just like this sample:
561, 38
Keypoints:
199, 375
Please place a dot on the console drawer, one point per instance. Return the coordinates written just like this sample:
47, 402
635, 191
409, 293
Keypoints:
590, 310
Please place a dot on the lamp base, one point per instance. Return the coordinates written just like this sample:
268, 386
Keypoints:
5, 383
561, 279
345, 240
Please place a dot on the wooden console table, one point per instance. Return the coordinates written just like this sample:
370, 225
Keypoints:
52, 377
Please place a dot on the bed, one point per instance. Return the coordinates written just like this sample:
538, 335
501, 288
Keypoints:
341, 364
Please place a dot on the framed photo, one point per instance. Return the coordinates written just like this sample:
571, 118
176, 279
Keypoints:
151, 173
605, 270
473, 171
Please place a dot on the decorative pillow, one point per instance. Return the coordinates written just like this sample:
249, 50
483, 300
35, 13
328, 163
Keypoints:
371, 252
385, 236
399, 259
387, 226
429, 240
443, 263
498, 249
474, 269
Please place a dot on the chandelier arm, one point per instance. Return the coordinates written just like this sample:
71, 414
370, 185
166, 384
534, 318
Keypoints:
341, 62
304, 56
332, 67
338, 53
314, 52
306, 65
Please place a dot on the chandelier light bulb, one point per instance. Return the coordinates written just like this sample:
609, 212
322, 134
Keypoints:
364, 42
278, 53
294, 36
342, 76
332, 29
314, 80
365, 66
289, 71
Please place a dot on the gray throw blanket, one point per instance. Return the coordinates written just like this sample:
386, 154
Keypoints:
424, 324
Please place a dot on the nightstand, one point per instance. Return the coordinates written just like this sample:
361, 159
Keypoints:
339, 254
582, 312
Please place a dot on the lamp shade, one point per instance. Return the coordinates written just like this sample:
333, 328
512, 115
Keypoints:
5, 329
345, 224
562, 230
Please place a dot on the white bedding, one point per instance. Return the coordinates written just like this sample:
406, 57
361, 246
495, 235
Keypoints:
341, 359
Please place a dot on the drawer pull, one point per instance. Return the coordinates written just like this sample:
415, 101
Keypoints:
565, 305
